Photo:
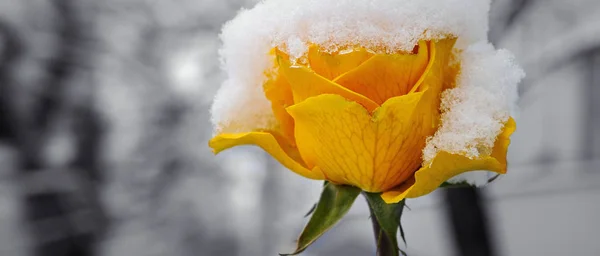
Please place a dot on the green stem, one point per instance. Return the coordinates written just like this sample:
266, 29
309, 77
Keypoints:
385, 247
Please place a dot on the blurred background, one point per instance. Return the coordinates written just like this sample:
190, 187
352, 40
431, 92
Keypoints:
104, 126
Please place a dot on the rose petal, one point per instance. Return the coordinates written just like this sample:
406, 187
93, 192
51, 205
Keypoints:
285, 154
387, 75
306, 83
373, 152
446, 165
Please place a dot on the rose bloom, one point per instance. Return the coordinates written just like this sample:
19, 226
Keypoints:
361, 118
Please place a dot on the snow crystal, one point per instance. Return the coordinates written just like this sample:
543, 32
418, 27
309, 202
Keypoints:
473, 113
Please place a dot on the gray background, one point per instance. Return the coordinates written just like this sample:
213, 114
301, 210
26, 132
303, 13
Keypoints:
148, 69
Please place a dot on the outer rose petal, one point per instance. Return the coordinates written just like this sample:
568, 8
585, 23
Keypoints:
285, 154
448, 60
306, 83
445, 166
502, 142
374, 153
387, 75
438, 76
278, 91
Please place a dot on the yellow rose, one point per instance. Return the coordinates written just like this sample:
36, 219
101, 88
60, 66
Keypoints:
362, 119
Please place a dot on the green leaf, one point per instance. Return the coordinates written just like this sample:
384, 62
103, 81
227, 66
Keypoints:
312, 209
388, 218
334, 203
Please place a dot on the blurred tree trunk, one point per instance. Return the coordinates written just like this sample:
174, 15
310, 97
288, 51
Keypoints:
508, 13
591, 133
11, 53
62, 204
468, 221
